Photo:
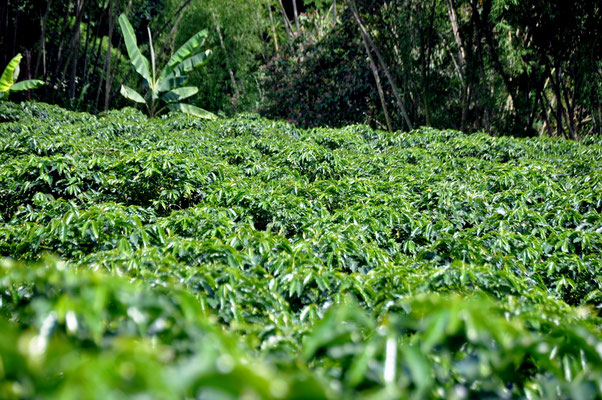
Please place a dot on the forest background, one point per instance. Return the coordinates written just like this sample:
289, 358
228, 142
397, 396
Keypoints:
507, 67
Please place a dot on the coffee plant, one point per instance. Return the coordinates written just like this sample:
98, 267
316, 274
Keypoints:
248, 258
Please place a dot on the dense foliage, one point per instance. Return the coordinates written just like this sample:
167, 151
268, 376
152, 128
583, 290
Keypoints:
506, 67
245, 258
524, 68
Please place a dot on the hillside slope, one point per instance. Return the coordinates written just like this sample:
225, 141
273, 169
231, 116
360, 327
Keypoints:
245, 258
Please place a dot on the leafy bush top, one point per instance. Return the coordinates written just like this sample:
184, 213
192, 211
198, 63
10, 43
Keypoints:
205, 259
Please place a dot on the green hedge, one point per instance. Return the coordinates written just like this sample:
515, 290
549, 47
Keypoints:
248, 258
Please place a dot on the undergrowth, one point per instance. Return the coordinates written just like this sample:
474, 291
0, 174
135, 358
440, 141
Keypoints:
247, 258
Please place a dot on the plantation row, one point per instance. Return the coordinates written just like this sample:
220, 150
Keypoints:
246, 257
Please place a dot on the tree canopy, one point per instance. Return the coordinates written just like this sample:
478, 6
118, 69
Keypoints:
523, 68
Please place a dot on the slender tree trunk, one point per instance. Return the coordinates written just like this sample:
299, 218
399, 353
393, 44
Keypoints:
379, 87
462, 64
173, 34
456, 31
174, 29
273, 28
545, 106
426, 50
171, 38
296, 15
27, 71
558, 112
236, 96
59, 53
98, 51
42, 53
570, 107
182, 7
16, 28
86, 55
382, 63
4, 54
108, 80
75, 47
466, 96
334, 12
287, 24
561, 112
486, 31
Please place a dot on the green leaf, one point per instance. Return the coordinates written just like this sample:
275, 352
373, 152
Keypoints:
139, 62
191, 63
8, 76
131, 94
186, 51
171, 83
180, 94
16, 73
152, 52
192, 110
419, 367
26, 85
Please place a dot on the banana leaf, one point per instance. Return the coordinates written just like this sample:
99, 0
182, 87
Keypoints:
26, 85
180, 94
192, 110
8, 76
187, 50
131, 94
191, 63
140, 63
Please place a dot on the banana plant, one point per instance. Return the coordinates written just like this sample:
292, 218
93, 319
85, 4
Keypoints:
8, 81
165, 90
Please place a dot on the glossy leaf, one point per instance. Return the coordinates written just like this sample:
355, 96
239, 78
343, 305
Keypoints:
187, 50
8, 78
193, 110
180, 94
140, 63
131, 94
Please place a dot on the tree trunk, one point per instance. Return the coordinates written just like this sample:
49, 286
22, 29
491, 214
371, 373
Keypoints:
174, 29
334, 12
171, 38
545, 106
59, 53
98, 51
108, 80
486, 31
382, 63
86, 50
296, 16
16, 28
379, 87
273, 28
236, 96
454, 24
42, 53
427, 48
287, 24
561, 112
4, 54
180, 10
27, 74
75, 47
